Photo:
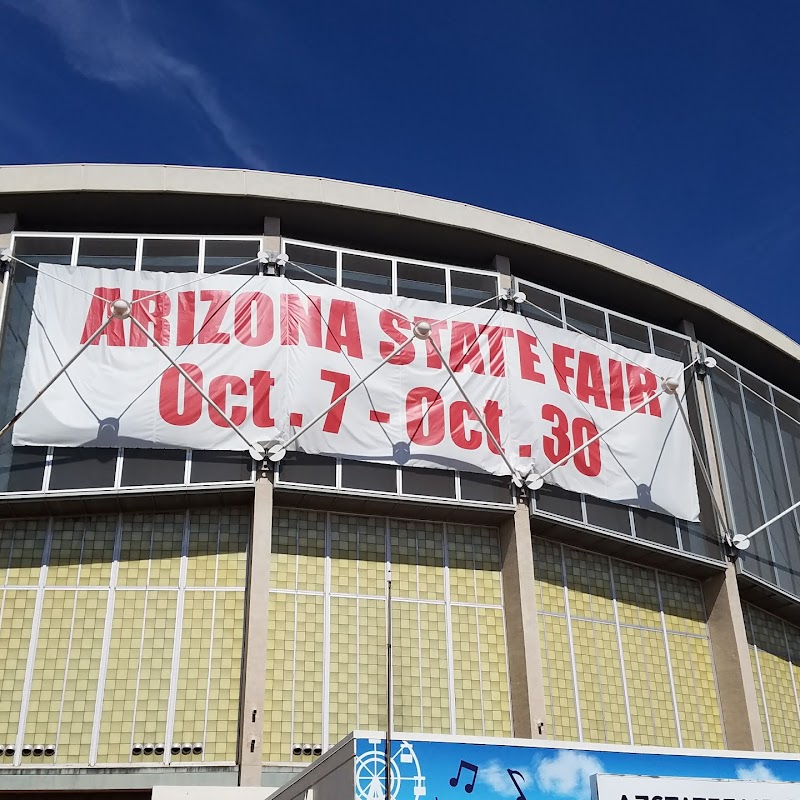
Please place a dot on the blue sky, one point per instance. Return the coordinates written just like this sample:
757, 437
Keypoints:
667, 130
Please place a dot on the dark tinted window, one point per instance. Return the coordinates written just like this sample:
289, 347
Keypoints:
787, 404
555, 500
26, 471
83, 467
629, 334
655, 527
737, 457
607, 515
695, 539
35, 250
369, 274
377, 477
755, 385
44, 249
303, 468
170, 255
470, 288
110, 253
429, 482
670, 346
585, 318
144, 467
222, 254
485, 488
543, 306
321, 264
423, 283
220, 465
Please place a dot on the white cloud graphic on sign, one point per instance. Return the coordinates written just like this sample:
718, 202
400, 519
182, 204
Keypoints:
567, 774
758, 772
496, 777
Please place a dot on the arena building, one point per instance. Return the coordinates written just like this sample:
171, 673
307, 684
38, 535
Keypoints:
191, 616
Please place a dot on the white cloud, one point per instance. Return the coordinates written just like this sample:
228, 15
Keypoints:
496, 777
567, 774
758, 772
103, 41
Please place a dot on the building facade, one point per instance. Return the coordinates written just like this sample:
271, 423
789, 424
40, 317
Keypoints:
197, 617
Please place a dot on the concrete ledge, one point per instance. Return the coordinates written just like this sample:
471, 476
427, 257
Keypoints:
104, 778
50, 178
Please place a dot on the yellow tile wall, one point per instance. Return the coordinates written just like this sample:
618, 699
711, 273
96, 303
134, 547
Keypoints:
138, 676
344, 667
592, 583
66, 547
119, 702
70, 642
467, 671
406, 668
774, 657
66, 668
279, 678
193, 671
226, 661
559, 687
649, 695
461, 563
80, 686
600, 689
637, 595
700, 718
372, 664
307, 725
433, 655
494, 676
417, 559
16, 618
357, 586
24, 543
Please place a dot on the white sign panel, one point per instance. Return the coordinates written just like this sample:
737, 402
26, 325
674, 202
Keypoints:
275, 353
643, 787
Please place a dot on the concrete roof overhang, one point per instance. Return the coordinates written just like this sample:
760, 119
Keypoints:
160, 199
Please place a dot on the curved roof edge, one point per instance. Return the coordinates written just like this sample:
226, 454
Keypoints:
49, 178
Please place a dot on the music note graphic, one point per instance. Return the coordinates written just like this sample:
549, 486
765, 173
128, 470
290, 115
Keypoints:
511, 774
468, 787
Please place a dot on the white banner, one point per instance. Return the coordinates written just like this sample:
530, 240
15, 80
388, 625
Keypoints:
648, 787
274, 353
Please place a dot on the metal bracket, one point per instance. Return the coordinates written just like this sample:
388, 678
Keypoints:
702, 367
274, 262
511, 298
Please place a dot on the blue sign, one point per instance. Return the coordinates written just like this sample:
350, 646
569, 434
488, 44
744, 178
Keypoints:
450, 770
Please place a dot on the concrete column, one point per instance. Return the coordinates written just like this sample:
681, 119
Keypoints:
522, 629
502, 265
254, 664
8, 222
735, 682
271, 240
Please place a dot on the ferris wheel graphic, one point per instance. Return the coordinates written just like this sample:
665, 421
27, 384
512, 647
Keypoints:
406, 781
